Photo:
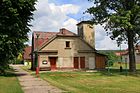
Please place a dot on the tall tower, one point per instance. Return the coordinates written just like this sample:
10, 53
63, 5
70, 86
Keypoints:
86, 31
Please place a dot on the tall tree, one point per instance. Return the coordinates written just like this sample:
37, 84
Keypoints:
15, 16
122, 22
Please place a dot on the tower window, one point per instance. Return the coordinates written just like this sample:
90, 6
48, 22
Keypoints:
67, 44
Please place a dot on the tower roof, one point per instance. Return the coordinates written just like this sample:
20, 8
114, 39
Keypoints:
84, 22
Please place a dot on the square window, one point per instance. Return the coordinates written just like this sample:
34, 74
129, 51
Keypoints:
67, 44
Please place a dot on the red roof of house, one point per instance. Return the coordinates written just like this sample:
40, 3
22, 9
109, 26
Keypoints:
137, 48
46, 36
121, 53
43, 37
65, 32
26, 53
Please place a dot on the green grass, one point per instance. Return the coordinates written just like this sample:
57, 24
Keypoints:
95, 82
138, 66
116, 65
27, 68
9, 84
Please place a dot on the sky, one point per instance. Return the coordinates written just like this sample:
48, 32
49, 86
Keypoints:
52, 15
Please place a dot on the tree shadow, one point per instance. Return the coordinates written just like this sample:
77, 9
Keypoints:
21, 74
117, 72
8, 74
11, 73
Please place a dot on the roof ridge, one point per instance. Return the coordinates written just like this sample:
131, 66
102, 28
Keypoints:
44, 32
63, 31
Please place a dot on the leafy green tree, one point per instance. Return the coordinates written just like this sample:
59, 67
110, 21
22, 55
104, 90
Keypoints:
122, 22
15, 16
111, 56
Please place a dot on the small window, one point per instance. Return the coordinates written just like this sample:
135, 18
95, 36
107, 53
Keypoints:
44, 62
67, 44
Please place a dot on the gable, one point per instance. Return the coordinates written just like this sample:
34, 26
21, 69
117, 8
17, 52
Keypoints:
43, 37
46, 37
59, 43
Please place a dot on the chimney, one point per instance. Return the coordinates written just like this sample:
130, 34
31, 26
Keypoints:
62, 31
86, 32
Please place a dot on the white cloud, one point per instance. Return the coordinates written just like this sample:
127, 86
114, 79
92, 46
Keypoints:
69, 8
99, 32
52, 17
103, 42
106, 43
70, 24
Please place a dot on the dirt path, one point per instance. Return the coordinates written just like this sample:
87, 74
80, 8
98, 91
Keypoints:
31, 84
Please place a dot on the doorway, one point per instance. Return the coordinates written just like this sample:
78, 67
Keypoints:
53, 63
79, 62
76, 63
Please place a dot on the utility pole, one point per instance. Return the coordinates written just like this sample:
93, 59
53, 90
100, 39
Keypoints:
37, 66
120, 59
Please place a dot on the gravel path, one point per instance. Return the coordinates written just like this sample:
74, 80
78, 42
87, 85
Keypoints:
31, 84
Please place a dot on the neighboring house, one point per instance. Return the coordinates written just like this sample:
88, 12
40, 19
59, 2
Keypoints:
66, 50
125, 55
27, 55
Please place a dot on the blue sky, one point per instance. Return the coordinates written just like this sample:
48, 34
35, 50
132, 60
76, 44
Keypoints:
52, 15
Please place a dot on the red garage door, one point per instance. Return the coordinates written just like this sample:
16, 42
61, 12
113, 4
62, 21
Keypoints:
53, 63
76, 62
82, 62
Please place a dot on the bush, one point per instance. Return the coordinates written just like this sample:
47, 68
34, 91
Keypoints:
18, 61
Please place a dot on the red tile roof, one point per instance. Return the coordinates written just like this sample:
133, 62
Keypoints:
137, 48
43, 37
65, 32
121, 53
46, 36
26, 53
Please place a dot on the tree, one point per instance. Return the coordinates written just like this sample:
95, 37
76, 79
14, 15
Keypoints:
15, 16
111, 56
121, 19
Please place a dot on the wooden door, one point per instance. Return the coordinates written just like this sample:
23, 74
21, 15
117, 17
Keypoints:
76, 62
53, 63
82, 62
100, 62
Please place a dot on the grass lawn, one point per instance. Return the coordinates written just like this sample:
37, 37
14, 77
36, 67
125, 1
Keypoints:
9, 84
116, 65
28, 69
95, 82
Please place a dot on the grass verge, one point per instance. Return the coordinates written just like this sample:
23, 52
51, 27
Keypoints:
93, 82
9, 83
27, 68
